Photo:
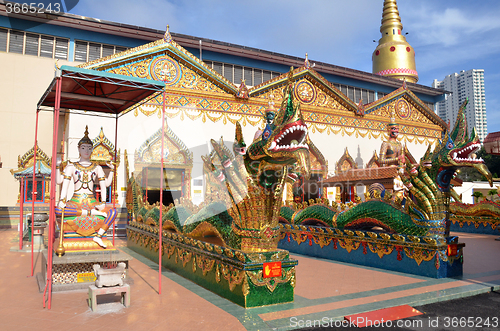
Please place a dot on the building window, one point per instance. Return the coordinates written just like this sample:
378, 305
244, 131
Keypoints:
61, 49
235, 73
46, 47
27, 43
94, 51
350, 93
238, 74
257, 77
31, 47
357, 95
80, 51
86, 51
16, 42
266, 75
248, 76
107, 50
217, 67
3, 40
228, 72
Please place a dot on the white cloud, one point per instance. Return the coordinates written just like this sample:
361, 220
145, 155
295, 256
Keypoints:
451, 26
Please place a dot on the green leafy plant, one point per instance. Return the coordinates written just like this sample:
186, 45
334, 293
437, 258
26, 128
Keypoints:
492, 193
477, 195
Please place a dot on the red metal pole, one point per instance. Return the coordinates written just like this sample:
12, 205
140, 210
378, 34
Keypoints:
21, 210
53, 182
113, 183
33, 191
160, 230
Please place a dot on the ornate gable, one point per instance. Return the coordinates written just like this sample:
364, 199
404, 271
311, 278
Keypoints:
25, 164
319, 164
312, 89
104, 150
373, 163
417, 121
176, 154
404, 106
165, 60
346, 162
175, 74
26, 160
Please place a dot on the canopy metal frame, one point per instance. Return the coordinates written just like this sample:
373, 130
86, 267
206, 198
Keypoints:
94, 93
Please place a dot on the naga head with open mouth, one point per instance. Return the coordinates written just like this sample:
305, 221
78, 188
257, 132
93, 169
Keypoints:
458, 149
284, 140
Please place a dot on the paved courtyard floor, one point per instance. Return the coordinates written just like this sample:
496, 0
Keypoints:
324, 289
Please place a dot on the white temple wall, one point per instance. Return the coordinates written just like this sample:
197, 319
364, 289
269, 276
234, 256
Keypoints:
196, 134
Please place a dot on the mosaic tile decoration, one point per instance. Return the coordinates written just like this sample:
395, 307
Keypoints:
69, 273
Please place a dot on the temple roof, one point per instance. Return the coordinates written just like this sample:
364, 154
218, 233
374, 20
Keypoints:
25, 164
312, 76
366, 175
176, 152
41, 171
160, 47
404, 92
492, 143
104, 149
346, 162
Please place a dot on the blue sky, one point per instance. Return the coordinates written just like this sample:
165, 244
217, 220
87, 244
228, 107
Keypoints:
448, 35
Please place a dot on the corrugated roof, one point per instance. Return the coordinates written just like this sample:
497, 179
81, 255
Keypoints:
41, 170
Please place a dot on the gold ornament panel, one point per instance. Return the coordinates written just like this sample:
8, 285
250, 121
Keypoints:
403, 112
309, 94
165, 68
193, 97
340, 122
175, 155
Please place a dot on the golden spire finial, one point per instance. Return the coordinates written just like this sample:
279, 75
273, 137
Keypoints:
307, 64
390, 17
167, 37
394, 57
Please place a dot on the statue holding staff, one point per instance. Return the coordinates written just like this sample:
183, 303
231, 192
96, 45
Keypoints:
82, 212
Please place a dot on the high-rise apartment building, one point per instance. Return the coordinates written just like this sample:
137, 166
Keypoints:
466, 84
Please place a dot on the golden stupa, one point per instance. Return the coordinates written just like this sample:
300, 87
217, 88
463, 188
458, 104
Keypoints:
394, 57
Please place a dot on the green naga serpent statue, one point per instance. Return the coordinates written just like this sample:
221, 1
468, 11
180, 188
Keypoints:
422, 211
243, 212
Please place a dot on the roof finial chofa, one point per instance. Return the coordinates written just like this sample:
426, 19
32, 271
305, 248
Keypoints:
167, 37
307, 65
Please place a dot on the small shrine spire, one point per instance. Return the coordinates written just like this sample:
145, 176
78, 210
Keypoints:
394, 57
167, 37
306, 62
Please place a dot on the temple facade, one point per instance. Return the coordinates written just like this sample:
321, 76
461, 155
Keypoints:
203, 100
